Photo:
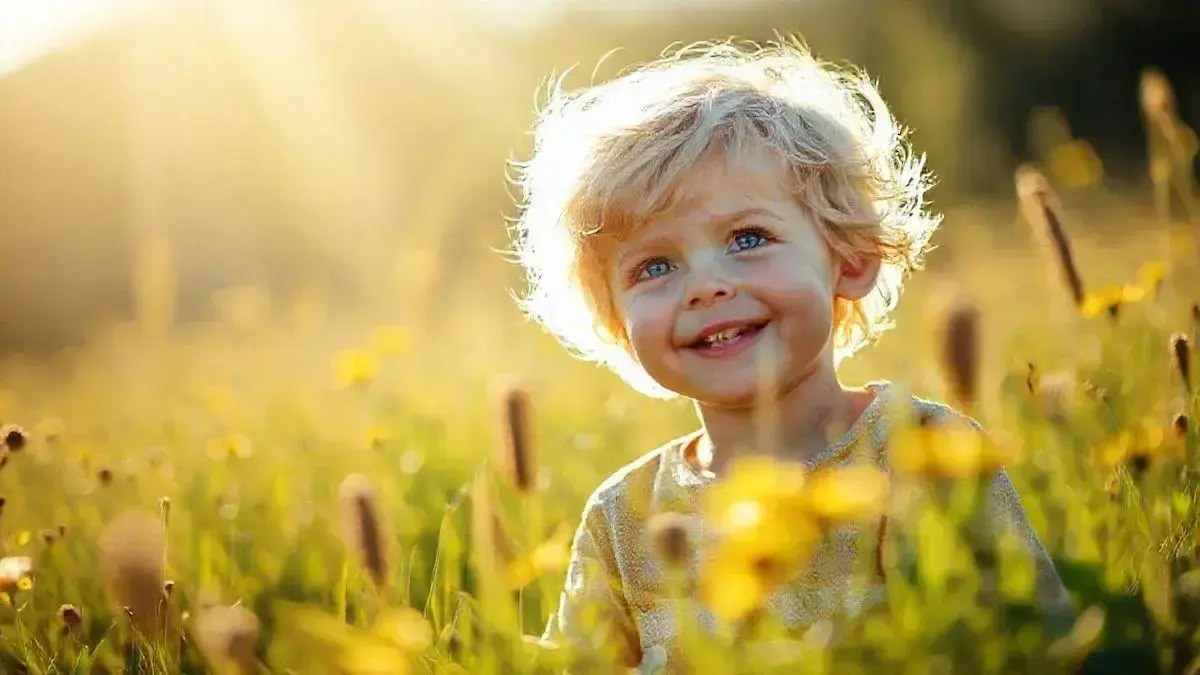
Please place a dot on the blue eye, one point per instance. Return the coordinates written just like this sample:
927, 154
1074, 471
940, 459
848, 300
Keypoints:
654, 269
747, 239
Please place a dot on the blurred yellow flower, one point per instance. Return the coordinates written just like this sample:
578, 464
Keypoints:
23, 538
841, 495
388, 341
406, 629
369, 657
1147, 443
50, 429
25, 583
1110, 299
549, 557
1076, 164
952, 450
376, 436
230, 446
767, 535
355, 367
1151, 275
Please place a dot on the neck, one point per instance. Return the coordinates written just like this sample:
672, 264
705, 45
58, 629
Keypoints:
806, 417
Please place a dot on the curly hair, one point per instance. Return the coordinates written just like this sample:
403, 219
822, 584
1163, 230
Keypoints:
610, 157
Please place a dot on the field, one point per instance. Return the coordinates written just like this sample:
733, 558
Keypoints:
209, 459
299, 488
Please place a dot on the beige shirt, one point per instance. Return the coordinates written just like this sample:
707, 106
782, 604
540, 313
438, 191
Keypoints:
614, 594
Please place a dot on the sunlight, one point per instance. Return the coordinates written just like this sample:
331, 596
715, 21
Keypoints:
31, 28
336, 169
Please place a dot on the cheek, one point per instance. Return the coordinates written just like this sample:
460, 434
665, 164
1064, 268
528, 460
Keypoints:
648, 323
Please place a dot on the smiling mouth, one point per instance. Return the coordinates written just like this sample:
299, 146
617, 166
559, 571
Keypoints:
728, 340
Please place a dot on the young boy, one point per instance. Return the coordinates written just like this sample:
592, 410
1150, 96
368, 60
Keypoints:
725, 224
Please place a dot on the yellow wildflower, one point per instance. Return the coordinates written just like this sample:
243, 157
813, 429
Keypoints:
853, 493
388, 341
24, 584
406, 629
369, 657
949, 451
767, 535
550, 556
230, 446
355, 367
50, 429
1139, 447
23, 537
1151, 275
1110, 300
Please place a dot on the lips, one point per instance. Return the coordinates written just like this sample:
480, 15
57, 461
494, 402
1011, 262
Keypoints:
727, 337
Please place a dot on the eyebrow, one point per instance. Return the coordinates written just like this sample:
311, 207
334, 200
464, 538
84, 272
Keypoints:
720, 222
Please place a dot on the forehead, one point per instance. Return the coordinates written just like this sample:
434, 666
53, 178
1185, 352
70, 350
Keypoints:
718, 185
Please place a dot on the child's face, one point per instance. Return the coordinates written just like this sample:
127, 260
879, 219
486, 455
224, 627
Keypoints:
739, 275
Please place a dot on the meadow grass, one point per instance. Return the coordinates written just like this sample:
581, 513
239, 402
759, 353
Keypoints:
185, 490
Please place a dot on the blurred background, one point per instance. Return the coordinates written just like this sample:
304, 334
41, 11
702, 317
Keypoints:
178, 162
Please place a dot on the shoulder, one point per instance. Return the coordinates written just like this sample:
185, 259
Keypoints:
634, 483
937, 413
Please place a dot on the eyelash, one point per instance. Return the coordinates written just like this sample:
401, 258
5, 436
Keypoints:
635, 276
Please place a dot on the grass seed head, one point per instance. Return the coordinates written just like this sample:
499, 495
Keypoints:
1180, 425
517, 449
362, 526
1181, 354
14, 437
960, 353
669, 538
131, 562
70, 616
1157, 96
227, 637
1043, 211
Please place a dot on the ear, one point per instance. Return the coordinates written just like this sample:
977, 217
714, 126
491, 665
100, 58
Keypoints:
855, 277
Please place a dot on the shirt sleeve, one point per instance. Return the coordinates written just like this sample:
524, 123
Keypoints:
593, 617
1004, 513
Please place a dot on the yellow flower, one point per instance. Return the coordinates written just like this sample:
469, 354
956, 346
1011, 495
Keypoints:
388, 341
5, 599
1110, 299
1151, 275
550, 556
1145, 444
24, 584
23, 538
853, 493
355, 367
368, 657
50, 429
406, 629
950, 451
767, 535
376, 436
230, 446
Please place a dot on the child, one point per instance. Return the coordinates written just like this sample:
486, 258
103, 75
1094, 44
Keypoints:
726, 225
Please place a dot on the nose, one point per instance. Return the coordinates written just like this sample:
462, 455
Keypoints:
707, 288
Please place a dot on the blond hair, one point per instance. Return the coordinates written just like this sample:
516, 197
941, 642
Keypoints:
610, 157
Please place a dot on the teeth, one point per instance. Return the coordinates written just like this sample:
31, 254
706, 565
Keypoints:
725, 335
